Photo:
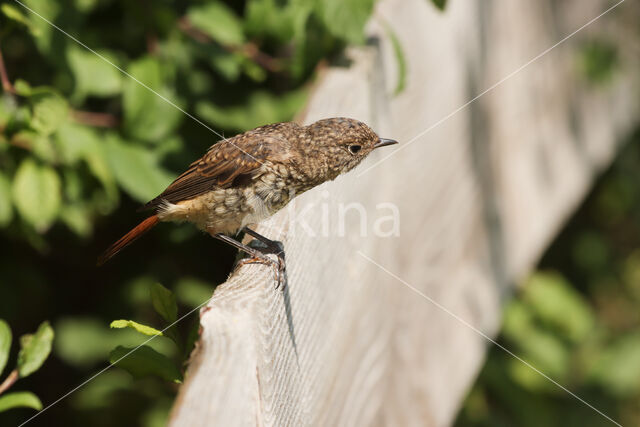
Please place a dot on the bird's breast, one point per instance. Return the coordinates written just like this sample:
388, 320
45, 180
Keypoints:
228, 210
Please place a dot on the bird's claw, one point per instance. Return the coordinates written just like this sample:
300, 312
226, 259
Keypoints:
278, 264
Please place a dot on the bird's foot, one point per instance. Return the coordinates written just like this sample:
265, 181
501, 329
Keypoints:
258, 253
278, 265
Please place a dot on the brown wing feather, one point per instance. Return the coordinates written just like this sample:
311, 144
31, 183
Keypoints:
225, 162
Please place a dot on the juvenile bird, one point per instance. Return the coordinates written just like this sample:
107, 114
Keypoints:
245, 179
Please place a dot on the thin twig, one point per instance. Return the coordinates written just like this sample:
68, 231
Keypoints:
90, 118
6, 83
249, 50
19, 141
150, 35
9, 381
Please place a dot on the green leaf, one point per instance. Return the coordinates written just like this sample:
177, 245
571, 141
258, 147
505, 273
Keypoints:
440, 4
618, 367
558, 305
74, 142
253, 70
86, 5
5, 343
400, 60
543, 349
45, 34
145, 361
218, 21
143, 329
193, 334
262, 107
49, 112
84, 341
599, 60
591, 252
93, 75
20, 399
36, 193
227, 64
345, 19
164, 302
275, 19
22, 88
193, 292
103, 391
41, 146
78, 218
146, 115
35, 350
14, 14
6, 211
136, 169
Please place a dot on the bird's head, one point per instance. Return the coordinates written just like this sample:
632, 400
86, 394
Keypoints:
340, 144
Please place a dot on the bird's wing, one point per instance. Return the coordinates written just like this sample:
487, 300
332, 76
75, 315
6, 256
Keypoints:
225, 162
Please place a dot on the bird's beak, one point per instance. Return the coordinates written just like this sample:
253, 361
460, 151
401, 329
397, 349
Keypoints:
383, 142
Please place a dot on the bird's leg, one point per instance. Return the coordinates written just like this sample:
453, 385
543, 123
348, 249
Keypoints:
273, 246
256, 255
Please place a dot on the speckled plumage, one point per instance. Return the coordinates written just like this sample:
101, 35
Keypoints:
245, 179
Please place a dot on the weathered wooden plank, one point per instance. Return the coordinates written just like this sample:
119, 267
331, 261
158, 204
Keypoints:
479, 196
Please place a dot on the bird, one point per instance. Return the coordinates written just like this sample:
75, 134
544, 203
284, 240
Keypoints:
243, 180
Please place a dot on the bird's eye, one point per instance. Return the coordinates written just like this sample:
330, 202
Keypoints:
353, 149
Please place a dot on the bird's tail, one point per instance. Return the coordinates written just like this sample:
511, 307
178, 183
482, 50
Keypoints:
128, 238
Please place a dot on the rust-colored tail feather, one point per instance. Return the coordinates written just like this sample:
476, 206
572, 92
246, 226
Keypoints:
128, 238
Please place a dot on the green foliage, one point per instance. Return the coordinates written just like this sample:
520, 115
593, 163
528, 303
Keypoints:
18, 399
35, 349
440, 4
78, 131
345, 19
400, 60
17, 16
6, 212
258, 110
579, 327
192, 292
598, 61
218, 21
36, 192
144, 361
164, 302
142, 107
86, 342
93, 76
143, 329
5, 344
135, 169
617, 368
558, 306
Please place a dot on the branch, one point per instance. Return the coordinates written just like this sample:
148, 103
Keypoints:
249, 50
9, 381
90, 118
19, 142
6, 84
150, 35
